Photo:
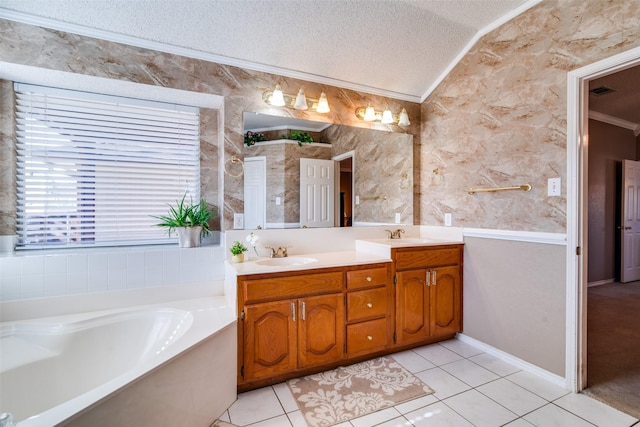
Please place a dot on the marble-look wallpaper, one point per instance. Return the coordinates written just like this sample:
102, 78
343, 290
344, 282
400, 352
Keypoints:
383, 167
49, 49
500, 117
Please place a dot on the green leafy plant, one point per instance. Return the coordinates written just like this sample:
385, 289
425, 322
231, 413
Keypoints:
250, 138
238, 248
301, 137
187, 214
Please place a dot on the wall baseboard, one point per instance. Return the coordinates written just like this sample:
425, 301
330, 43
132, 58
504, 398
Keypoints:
506, 357
601, 282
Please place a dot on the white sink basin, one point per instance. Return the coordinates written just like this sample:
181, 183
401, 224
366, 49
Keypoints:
293, 260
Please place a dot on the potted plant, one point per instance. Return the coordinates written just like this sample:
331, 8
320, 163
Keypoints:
191, 221
237, 250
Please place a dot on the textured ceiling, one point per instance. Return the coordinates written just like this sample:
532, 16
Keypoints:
398, 48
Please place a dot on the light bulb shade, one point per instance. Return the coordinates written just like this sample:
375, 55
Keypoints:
370, 114
387, 117
277, 98
323, 104
404, 118
301, 101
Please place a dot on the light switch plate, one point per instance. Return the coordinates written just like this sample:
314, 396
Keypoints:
238, 221
398, 219
447, 220
278, 201
553, 186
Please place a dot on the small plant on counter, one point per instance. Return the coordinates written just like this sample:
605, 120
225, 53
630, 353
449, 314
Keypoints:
237, 248
250, 138
301, 137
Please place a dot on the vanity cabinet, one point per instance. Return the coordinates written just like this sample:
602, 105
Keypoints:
294, 323
369, 307
428, 293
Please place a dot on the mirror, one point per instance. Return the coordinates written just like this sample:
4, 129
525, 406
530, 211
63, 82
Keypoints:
351, 176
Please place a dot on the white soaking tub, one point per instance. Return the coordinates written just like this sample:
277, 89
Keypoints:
168, 364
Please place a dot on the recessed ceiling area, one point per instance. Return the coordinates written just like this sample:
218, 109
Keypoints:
395, 48
624, 102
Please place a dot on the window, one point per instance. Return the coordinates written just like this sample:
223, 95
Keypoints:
93, 170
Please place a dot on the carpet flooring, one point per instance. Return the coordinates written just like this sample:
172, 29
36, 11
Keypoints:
613, 345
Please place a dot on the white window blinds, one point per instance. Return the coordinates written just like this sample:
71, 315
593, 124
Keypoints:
93, 169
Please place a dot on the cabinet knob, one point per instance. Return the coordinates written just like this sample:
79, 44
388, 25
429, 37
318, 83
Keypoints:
369, 278
369, 337
369, 305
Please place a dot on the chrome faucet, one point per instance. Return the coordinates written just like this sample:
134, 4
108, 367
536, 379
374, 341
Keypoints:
281, 252
395, 234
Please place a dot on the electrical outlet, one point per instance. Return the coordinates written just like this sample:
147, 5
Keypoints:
278, 201
238, 221
357, 200
447, 220
553, 186
398, 219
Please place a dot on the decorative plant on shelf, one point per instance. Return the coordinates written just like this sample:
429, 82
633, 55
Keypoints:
250, 138
191, 221
301, 137
238, 250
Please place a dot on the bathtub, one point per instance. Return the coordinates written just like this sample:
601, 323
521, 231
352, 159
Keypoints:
168, 364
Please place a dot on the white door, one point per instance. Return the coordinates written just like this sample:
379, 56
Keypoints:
255, 190
317, 185
630, 224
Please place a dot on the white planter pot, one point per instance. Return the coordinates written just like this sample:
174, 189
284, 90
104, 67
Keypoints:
189, 237
237, 258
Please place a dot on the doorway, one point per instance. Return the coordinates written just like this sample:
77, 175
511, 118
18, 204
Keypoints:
577, 209
345, 185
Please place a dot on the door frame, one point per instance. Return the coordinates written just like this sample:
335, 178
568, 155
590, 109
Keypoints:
577, 209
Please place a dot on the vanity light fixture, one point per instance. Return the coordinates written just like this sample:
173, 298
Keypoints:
369, 114
301, 101
387, 117
278, 98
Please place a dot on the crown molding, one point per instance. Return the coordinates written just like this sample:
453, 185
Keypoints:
196, 54
605, 118
481, 33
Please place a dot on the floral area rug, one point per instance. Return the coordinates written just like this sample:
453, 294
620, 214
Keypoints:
348, 392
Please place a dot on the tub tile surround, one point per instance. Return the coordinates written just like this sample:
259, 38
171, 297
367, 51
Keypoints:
43, 274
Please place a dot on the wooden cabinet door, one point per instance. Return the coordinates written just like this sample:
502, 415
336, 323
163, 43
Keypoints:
270, 339
320, 330
412, 306
445, 300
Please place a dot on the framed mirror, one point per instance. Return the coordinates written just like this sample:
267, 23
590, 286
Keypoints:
300, 173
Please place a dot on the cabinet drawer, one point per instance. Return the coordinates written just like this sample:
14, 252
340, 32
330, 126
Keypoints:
291, 286
427, 258
366, 278
367, 336
366, 304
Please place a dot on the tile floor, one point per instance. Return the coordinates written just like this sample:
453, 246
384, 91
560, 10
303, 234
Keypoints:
472, 388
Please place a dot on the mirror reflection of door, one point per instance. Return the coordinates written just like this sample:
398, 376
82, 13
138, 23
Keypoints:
255, 192
317, 189
344, 217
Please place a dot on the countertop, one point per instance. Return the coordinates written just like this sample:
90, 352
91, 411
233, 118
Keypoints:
323, 260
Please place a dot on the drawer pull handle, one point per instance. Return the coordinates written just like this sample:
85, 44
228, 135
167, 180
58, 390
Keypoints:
303, 311
369, 278
369, 305
369, 337
293, 311
433, 278
427, 278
